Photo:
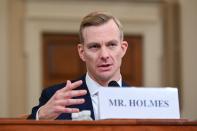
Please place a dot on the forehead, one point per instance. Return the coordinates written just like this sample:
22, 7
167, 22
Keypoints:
105, 32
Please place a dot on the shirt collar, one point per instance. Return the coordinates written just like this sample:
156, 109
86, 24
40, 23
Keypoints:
93, 86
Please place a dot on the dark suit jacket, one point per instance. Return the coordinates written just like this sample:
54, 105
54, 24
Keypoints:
49, 92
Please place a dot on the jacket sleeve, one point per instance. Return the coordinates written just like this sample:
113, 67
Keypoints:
46, 94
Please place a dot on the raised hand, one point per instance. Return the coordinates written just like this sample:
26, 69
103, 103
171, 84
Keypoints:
60, 101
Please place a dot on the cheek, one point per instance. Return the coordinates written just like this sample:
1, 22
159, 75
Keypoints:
118, 56
89, 58
118, 59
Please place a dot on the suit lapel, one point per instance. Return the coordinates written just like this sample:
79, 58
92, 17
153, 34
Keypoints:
88, 102
88, 106
124, 84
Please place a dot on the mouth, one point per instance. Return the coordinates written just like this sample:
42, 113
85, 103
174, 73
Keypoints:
105, 67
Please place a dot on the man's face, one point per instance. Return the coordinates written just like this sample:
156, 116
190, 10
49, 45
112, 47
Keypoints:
102, 51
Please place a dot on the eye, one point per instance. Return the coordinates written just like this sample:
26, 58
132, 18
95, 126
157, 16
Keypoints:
112, 44
93, 46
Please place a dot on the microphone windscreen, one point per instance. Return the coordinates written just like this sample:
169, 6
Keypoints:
113, 84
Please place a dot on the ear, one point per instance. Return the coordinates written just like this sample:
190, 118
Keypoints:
124, 46
81, 51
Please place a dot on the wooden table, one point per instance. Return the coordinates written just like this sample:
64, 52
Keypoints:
100, 125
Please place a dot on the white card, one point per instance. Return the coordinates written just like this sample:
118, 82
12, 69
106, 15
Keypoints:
138, 103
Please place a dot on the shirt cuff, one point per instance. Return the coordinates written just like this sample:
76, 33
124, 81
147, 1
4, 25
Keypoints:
37, 114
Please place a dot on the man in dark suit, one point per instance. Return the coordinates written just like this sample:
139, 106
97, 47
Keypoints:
101, 48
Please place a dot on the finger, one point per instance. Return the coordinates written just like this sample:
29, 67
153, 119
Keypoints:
63, 109
71, 110
67, 86
71, 86
69, 102
74, 93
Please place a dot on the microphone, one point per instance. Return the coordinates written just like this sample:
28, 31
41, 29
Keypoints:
113, 84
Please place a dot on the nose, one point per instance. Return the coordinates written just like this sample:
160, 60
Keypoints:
104, 54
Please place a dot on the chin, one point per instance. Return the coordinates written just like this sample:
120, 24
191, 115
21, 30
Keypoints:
105, 76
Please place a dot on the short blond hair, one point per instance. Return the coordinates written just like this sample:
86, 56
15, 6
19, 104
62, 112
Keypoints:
96, 19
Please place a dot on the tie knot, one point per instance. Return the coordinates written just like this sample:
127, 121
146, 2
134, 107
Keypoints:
113, 84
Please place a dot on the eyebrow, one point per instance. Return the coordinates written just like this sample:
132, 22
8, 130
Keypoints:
92, 43
111, 41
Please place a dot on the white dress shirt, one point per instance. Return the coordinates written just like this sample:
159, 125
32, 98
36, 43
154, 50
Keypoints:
93, 88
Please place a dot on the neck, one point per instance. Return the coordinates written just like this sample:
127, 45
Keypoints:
104, 82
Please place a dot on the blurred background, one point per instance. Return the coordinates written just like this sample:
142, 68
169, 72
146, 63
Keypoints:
38, 41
